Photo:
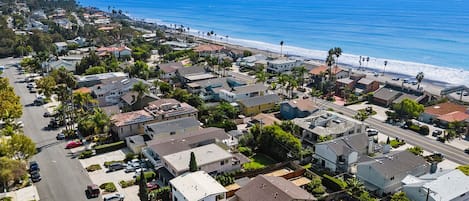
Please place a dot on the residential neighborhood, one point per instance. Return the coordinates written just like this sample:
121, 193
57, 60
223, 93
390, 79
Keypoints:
111, 108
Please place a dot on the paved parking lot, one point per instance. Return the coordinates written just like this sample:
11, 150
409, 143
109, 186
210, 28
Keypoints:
101, 176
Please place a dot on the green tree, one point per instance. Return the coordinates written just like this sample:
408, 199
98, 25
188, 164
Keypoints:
274, 141
165, 87
88, 61
95, 123
408, 108
415, 150
399, 196
46, 85
355, 187
63, 77
11, 107
419, 78
300, 72
142, 188
330, 62
95, 70
337, 53
82, 101
19, 147
247, 53
261, 76
193, 163
10, 170
140, 53
141, 88
365, 196
139, 69
30, 64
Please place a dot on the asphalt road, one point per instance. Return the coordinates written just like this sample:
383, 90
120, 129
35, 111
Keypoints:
451, 153
63, 177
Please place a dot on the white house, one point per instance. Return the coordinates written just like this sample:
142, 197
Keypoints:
242, 92
340, 154
384, 174
61, 46
282, 65
196, 186
450, 185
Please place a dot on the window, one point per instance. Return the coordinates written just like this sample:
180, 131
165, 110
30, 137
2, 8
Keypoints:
222, 162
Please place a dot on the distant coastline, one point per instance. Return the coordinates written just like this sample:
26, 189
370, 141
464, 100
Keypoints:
442, 76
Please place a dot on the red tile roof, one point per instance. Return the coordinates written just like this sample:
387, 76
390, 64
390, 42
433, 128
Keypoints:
127, 118
208, 48
454, 116
84, 90
323, 68
444, 108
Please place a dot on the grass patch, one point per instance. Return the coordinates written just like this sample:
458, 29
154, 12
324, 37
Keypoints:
108, 187
395, 143
125, 184
93, 168
464, 169
307, 166
108, 163
258, 161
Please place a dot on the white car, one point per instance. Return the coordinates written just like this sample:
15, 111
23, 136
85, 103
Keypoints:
114, 196
371, 132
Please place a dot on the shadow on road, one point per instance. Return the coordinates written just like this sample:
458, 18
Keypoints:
40, 148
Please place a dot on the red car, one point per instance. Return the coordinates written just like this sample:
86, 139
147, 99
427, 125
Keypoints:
152, 185
73, 144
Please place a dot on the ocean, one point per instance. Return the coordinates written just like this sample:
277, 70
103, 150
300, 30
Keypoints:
412, 35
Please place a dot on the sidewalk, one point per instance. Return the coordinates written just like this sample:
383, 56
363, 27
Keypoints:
24, 194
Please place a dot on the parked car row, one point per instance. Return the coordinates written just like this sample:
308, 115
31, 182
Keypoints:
34, 171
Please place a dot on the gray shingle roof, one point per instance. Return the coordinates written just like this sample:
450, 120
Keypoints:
249, 89
386, 94
346, 144
395, 163
191, 70
172, 125
259, 100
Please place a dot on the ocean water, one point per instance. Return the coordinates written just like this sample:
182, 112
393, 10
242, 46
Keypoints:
413, 35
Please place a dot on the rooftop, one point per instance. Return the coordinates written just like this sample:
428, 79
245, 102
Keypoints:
455, 116
263, 188
198, 77
444, 108
102, 76
169, 107
246, 89
347, 144
365, 81
282, 61
323, 68
259, 100
208, 48
204, 155
395, 163
172, 125
345, 80
191, 70
386, 93
325, 123
303, 104
266, 119
128, 118
195, 186
170, 67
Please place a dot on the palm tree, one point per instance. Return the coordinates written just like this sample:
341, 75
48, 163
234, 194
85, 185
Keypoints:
330, 62
419, 78
385, 64
141, 88
355, 187
300, 72
367, 61
261, 76
337, 53
281, 48
282, 80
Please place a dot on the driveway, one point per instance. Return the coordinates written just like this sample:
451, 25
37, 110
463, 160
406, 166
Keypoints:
62, 177
101, 176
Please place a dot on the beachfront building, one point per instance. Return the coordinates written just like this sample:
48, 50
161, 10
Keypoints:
208, 49
365, 85
385, 96
282, 65
117, 51
196, 186
258, 104
445, 113
252, 62
320, 74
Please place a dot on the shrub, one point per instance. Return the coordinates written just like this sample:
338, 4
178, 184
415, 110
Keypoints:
125, 184
315, 187
109, 147
415, 128
108, 163
464, 169
148, 176
415, 150
396, 143
86, 154
245, 151
333, 183
225, 179
93, 168
424, 130
6, 199
108, 187
130, 156
162, 193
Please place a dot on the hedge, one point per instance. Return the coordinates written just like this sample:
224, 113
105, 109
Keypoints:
424, 130
86, 154
333, 183
125, 184
148, 176
245, 151
108, 187
415, 128
109, 147
93, 168
108, 163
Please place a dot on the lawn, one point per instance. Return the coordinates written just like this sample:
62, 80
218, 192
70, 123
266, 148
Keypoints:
258, 161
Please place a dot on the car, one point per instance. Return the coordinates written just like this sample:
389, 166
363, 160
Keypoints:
138, 171
135, 163
92, 191
396, 78
60, 136
114, 197
466, 151
73, 144
31, 85
465, 94
458, 93
33, 90
405, 81
129, 168
35, 176
116, 166
376, 74
436, 133
152, 185
33, 166
49, 114
415, 82
372, 132
438, 154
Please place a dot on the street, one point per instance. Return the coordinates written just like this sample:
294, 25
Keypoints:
451, 153
63, 178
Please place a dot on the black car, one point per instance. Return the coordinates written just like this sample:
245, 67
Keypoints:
436, 133
466, 151
33, 166
35, 176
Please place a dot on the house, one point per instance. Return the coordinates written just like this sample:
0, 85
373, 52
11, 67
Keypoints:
251, 62
242, 92
326, 124
342, 85
208, 49
258, 104
448, 185
385, 96
196, 186
338, 155
282, 65
172, 127
131, 102
444, 113
177, 45
167, 109
109, 91
117, 51
298, 108
135, 143
406, 96
384, 174
111, 110
91, 80
79, 41
130, 123
168, 70
264, 119
48, 66
61, 46
193, 74
64, 23
271, 188
318, 73
210, 89
365, 85
210, 158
